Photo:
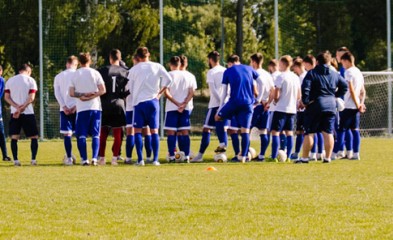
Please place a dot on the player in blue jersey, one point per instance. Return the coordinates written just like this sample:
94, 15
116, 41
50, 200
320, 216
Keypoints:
320, 88
2, 134
240, 78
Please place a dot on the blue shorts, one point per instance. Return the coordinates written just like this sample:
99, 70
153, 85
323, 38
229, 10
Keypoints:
129, 117
319, 122
260, 118
147, 114
349, 119
175, 120
25, 121
88, 123
282, 121
241, 112
300, 121
233, 124
209, 121
67, 123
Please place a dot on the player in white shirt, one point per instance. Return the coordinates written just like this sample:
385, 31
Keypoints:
354, 105
20, 92
67, 105
286, 96
149, 80
260, 118
178, 109
87, 86
214, 81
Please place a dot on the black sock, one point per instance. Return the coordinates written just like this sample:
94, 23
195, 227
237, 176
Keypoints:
34, 148
14, 148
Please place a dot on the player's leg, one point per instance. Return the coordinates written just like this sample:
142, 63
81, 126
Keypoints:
184, 126
349, 140
277, 125
283, 141
67, 126
356, 135
130, 139
94, 131
327, 128
14, 131
117, 137
233, 131
288, 128
148, 148
226, 112
310, 126
209, 124
81, 131
243, 119
29, 125
153, 123
265, 133
314, 149
171, 129
3, 142
138, 123
104, 132
320, 145
299, 135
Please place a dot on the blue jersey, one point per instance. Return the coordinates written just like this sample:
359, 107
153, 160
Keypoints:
240, 79
2, 84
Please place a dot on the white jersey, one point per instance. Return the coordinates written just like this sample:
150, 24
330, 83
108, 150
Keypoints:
62, 86
354, 76
129, 98
214, 79
19, 87
182, 82
289, 86
267, 84
87, 80
145, 81
275, 75
301, 78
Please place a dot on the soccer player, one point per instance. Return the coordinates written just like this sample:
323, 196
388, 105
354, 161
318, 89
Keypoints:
20, 93
178, 109
340, 51
298, 69
286, 95
354, 105
149, 80
87, 86
260, 118
240, 78
113, 105
67, 104
2, 134
320, 88
214, 80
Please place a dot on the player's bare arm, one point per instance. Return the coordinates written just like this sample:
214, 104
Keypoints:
353, 95
277, 93
28, 101
169, 96
362, 97
162, 90
8, 99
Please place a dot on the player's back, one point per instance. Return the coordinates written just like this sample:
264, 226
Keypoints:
63, 82
240, 79
354, 75
267, 82
289, 86
86, 80
214, 77
19, 87
178, 89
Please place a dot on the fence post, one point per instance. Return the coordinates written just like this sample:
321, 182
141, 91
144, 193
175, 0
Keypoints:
41, 60
389, 63
162, 63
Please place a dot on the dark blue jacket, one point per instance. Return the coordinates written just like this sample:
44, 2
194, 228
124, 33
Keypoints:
2, 86
320, 88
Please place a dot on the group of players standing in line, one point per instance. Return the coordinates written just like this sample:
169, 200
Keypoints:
241, 97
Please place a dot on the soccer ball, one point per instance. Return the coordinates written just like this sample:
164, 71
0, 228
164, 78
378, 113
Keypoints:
220, 158
180, 157
282, 156
252, 152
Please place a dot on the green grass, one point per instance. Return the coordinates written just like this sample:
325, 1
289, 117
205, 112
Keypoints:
342, 200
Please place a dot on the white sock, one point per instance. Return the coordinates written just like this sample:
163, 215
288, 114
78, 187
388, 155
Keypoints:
222, 145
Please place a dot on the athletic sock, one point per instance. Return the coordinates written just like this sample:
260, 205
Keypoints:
171, 141
205, 142
139, 145
95, 146
148, 145
221, 133
264, 143
275, 146
104, 132
245, 143
130, 142
117, 136
320, 142
348, 140
68, 146
315, 145
34, 148
356, 141
82, 147
155, 144
289, 145
299, 142
283, 141
14, 148
236, 143
186, 144
180, 142
340, 141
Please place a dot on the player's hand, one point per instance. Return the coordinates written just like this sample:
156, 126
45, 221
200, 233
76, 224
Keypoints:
66, 110
85, 98
301, 105
90, 94
73, 110
180, 109
266, 106
16, 114
217, 118
362, 108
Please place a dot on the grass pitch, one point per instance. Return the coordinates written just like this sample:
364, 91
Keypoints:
341, 200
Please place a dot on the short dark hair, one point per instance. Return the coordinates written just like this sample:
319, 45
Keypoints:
24, 67
142, 52
175, 61
183, 60
298, 62
324, 58
84, 58
342, 49
287, 60
233, 58
257, 57
309, 59
115, 54
71, 59
214, 56
273, 63
349, 57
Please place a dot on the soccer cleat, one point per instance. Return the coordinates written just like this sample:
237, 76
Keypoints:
140, 163
187, 159
235, 159
355, 158
271, 159
294, 156
128, 161
313, 157
326, 160
33, 162
85, 163
7, 159
17, 163
102, 161
172, 159
340, 155
94, 162
69, 162
156, 163
220, 149
197, 159
114, 163
298, 161
120, 158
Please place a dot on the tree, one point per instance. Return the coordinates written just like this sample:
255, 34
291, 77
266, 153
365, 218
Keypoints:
239, 27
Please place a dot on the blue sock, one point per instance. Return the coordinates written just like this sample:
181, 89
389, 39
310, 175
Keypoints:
95, 146
221, 133
299, 142
34, 148
130, 142
275, 145
264, 143
348, 140
14, 148
180, 142
320, 142
340, 140
205, 142
148, 146
139, 145
315, 145
236, 143
283, 141
289, 145
336, 145
186, 144
171, 141
356, 141
245, 143
82, 147
155, 144
68, 146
